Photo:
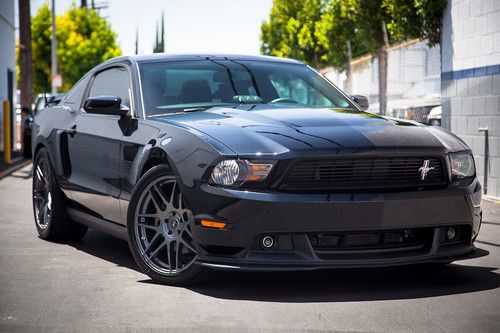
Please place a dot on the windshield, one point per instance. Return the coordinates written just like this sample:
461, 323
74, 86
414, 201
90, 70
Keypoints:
184, 86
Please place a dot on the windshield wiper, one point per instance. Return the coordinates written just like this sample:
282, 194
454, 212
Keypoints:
252, 77
194, 109
228, 71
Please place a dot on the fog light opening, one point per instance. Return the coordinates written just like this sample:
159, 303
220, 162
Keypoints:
451, 233
267, 242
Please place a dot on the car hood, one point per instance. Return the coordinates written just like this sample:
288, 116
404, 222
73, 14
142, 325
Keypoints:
273, 129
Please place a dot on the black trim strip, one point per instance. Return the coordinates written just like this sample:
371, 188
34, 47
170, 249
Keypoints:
471, 72
111, 228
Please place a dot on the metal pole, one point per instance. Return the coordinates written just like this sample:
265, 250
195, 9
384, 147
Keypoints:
348, 80
486, 156
6, 132
53, 67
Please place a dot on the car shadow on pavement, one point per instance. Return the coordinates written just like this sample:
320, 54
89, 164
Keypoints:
340, 285
352, 285
106, 247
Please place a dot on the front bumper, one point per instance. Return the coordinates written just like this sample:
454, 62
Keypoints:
293, 218
278, 264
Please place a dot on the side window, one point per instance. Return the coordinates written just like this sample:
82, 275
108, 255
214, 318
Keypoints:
74, 97
112, 82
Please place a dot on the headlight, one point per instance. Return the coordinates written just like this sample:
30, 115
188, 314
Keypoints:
462, 165
237, 172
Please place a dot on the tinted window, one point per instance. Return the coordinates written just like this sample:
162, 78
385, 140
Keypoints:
112, 82
39, 104
291, 87
74, 96
176, 86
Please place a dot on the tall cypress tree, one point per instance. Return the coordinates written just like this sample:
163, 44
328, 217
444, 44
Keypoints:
159, 46
137, 40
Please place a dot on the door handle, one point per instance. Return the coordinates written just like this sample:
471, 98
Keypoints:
71, 131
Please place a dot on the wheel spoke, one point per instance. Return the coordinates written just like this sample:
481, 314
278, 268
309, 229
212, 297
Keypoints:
162, 195
146, 215
37, 196
159, 199
39, 174
179, 202
49, 201
147, 226
172, 195
186, 244
45, 213
169, 255
41, 208
45, 171
153, 240
188, 232
177, 255
161, 246
155, 202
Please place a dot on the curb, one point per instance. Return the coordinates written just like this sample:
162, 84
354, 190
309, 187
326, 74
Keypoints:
492, 199
15, 166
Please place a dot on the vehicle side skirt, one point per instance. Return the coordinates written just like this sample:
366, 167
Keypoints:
108, 227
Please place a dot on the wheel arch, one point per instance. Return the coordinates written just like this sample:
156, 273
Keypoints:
38, 147
41, 146
156, 157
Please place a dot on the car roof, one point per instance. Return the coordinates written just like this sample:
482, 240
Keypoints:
179, 57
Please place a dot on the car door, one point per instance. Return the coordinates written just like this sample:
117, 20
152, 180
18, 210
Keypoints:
94, 148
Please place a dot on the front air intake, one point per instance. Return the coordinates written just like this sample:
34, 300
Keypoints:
364, 173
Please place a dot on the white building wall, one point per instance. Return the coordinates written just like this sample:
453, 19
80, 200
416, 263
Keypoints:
7, 54
471, 79
408, 64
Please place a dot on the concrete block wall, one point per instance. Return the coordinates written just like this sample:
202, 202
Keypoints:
409, 63
470, 79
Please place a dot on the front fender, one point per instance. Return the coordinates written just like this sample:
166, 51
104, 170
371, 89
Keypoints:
188, 152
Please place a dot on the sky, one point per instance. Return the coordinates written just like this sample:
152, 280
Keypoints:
191, 26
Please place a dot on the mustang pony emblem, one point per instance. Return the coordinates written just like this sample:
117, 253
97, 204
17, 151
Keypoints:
424, 169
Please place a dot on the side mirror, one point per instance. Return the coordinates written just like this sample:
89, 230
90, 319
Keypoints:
105, 105
54, 100
361, 100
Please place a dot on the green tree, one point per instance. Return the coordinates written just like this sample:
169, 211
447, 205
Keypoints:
383, 22
159, 46
84, 39
137, 40
293, 30
368, 26
341, 35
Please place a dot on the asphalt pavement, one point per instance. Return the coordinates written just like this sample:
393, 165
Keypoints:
94, 286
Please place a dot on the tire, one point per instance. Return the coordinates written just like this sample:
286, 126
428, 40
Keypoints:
159, 230
49, 204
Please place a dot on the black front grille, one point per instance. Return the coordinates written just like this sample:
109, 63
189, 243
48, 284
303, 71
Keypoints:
363, 173
409, 239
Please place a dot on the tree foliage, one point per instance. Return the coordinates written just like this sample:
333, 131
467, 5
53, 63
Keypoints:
317, 31
84, 39
293, 30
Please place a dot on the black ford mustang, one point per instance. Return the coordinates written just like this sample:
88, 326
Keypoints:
251, 163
